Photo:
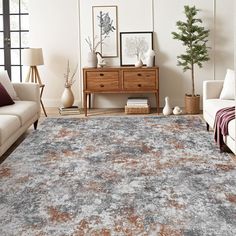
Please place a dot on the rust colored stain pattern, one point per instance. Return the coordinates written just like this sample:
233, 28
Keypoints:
120, 176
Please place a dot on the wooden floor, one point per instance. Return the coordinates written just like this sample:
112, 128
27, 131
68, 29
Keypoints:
53, 112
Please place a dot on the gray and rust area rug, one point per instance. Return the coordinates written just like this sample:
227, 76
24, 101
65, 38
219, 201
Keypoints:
131, 176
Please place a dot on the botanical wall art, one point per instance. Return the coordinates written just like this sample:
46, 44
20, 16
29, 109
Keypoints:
134, 46
105, 29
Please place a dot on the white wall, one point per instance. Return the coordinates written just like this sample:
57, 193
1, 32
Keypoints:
224, 37
57, 27
54, 27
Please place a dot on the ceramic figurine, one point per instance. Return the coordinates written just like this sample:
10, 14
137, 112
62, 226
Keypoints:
177, 110
167, 109
101, 63
101, 60
139, 63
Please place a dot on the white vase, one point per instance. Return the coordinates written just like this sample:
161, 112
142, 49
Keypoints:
167, 109
150, 60
92, 60
67, 98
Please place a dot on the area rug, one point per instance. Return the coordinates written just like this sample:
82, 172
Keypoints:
119, 176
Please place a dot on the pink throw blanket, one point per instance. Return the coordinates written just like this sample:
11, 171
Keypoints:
222, 119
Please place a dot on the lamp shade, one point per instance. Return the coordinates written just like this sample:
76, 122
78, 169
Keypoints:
32, 57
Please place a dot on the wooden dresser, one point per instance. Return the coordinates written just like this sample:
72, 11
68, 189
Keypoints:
120, 80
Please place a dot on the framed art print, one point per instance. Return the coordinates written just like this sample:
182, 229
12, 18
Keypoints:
134, 46
105, 30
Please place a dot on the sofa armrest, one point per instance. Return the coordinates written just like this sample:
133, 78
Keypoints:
27, 91
212, 89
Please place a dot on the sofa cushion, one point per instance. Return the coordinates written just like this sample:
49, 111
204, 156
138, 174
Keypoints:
228, 91
8, 125
5, 81
211, 106
5, 98
24, 110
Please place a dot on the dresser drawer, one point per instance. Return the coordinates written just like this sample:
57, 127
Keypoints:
102, 74
140, 80
102, 81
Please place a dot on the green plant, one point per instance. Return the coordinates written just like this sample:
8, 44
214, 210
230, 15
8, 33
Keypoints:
194, 38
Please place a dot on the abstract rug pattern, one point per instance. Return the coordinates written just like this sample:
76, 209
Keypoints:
119, 176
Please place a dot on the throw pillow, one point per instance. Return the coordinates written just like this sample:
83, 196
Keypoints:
5, 98
228, 91
5, 81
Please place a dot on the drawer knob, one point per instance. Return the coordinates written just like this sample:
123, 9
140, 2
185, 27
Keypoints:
139, 85
139, 74
101, 85
101, 74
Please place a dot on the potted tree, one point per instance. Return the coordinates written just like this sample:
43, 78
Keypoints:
194, 37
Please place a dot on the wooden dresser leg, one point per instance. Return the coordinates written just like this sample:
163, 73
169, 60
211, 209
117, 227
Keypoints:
85, 104
157, 102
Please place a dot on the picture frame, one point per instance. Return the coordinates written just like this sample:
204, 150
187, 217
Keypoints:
134, 46
105, 30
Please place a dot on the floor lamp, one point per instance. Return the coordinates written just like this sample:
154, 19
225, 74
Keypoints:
33, 57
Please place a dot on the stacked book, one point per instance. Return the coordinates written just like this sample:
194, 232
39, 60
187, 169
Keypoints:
137, 105
74, 110
137, 102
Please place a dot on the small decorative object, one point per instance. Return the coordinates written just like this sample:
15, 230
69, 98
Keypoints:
194, 37
150, 58
177, 110
105, 26
101, 61
134, 46
167, 109
92, 55
139, 63
67, 98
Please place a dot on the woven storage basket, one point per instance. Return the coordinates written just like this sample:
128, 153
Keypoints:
137, 110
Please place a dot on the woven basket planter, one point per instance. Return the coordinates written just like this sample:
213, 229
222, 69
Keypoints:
192, 104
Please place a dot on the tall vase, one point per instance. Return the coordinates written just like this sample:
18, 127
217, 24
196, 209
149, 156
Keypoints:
150, 60
167, 109
92, 59
67, 98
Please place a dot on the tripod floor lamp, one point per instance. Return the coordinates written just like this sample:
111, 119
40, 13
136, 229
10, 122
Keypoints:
33, 57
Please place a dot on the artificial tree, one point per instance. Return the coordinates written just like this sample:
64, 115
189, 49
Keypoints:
194, 37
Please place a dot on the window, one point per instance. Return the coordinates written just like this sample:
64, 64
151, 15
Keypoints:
14, 36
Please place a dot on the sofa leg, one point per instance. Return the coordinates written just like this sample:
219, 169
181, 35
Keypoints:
35, 124
207, 126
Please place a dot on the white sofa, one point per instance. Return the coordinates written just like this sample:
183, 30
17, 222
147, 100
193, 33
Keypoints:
212, 103
17, 118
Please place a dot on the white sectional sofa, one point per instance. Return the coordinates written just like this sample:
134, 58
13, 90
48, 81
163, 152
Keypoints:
17, 118
212, 103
